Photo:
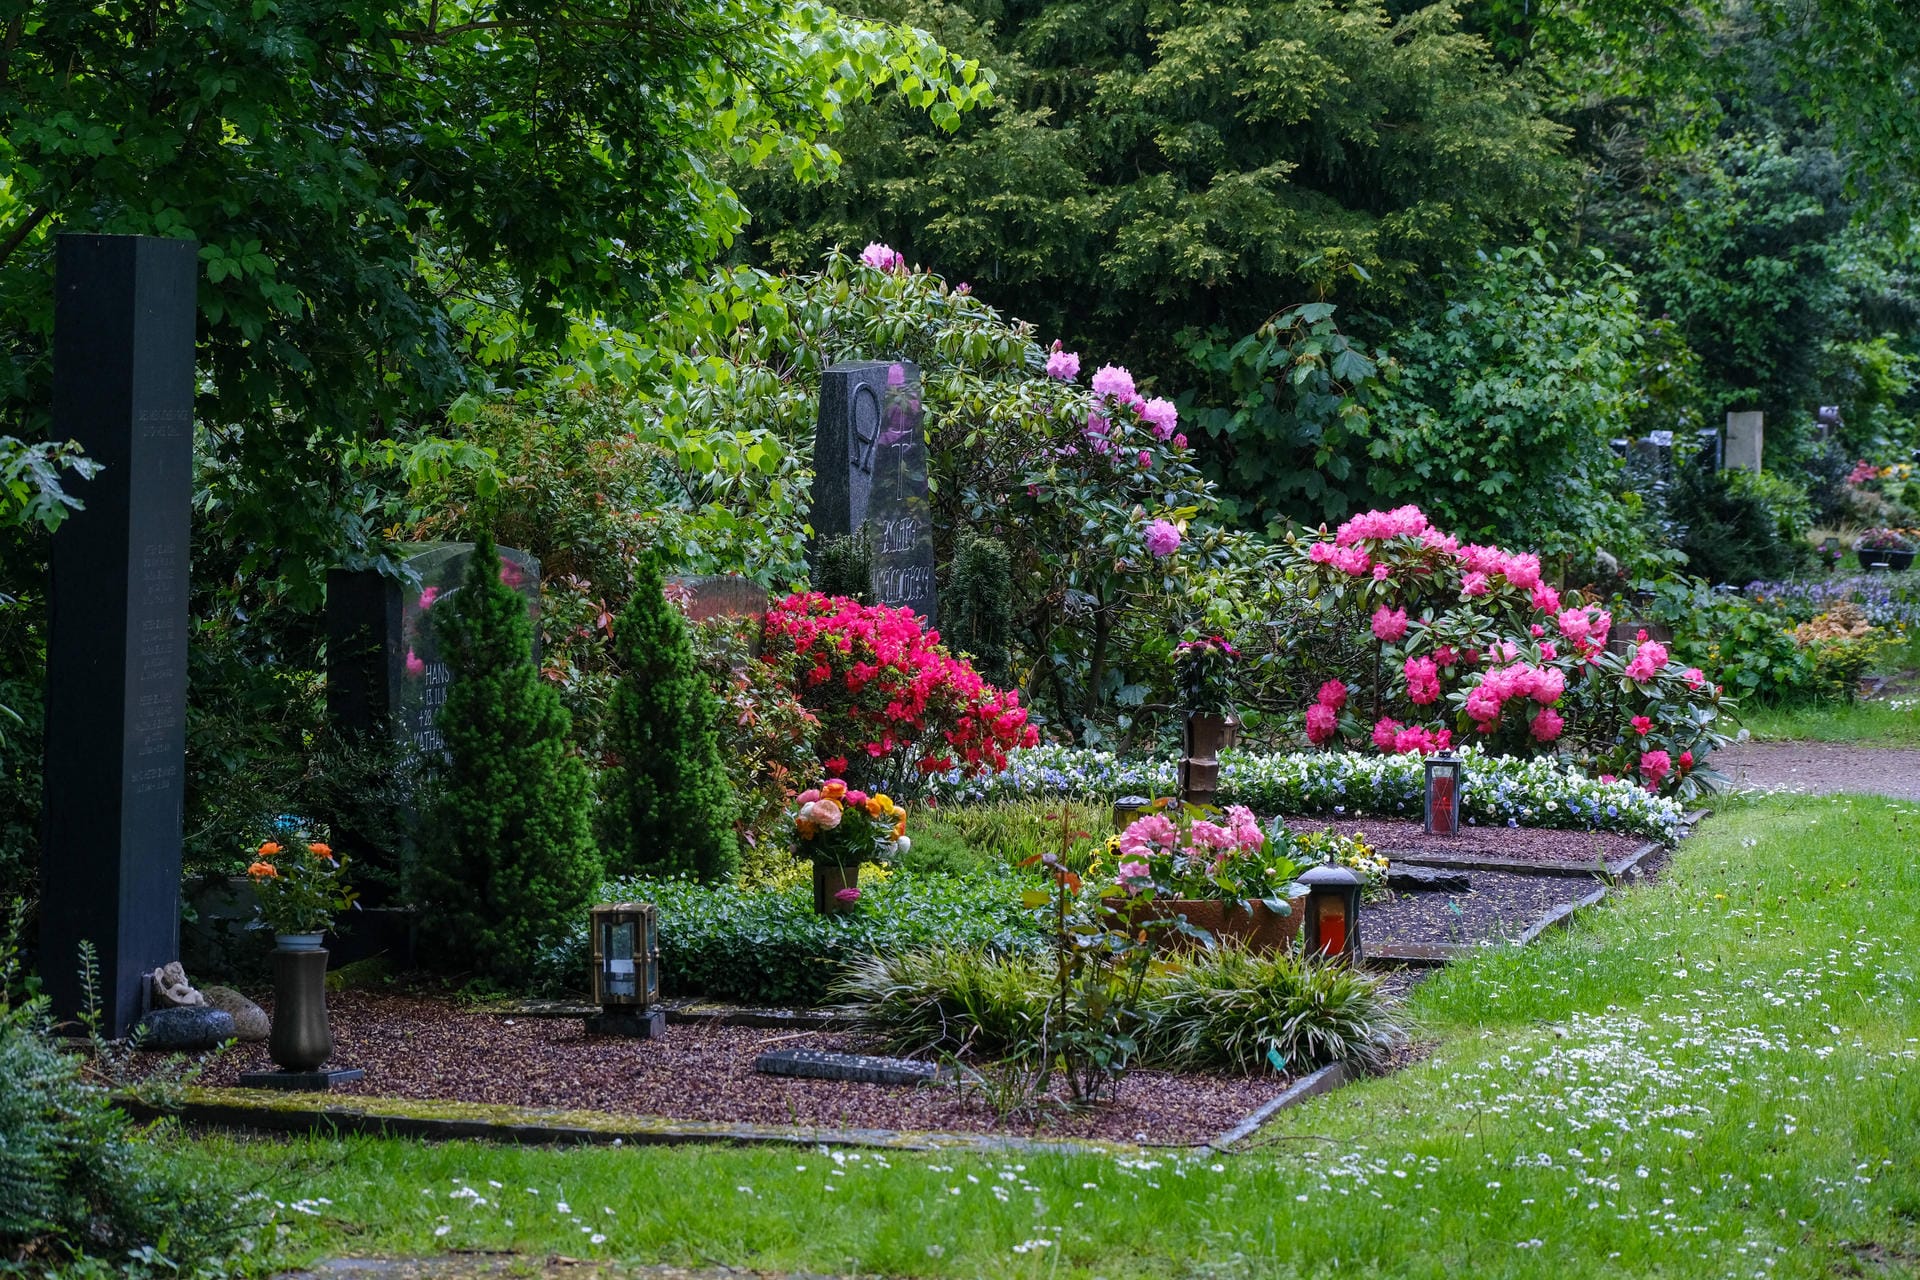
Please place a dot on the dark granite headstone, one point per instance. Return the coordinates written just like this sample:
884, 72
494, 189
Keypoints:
116, 708
1410, 879
870, 467
859, 1068
1710, 459
384, 666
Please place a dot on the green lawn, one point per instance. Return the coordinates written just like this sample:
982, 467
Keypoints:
1713, 1076
1875, 723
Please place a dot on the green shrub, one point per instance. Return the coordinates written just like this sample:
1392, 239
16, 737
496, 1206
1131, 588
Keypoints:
843, 566
1218, 1010
1734, 528
767, 946
670, 808
1227, 1010
77, 1179
977, 610
505, 845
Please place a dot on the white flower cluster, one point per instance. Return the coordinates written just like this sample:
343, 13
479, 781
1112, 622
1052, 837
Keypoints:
1536, 791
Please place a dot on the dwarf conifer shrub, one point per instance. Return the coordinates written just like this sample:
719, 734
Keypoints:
506, 848
979, 606
844, 566
671, 809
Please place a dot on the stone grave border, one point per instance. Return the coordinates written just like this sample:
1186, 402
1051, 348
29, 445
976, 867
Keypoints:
1615, 870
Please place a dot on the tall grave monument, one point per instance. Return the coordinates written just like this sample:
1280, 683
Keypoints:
1746, 436
870, 468
116, 706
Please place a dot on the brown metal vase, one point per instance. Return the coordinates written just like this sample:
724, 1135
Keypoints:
300, 1039
828, 881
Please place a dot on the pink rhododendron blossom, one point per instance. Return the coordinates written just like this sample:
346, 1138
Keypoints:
1408, 521
1322, 723
1654, 767
1333, 694
1381, 573
1163, 539
1549, 650
1475, 583
1445, 656
1389, 625
428, 596
1642, 725
1211, 835
1648, 659
882, 257
1162, 415
1113, 381
1063, 365
1146, 460
1548, 684
848, 894
1417, 738
1179, 441
1523, 570
1423, 681
1694, 677
1383, 733
1097, 425
1547, 725
416, 666
1545, 598
1133, 876
1686, 761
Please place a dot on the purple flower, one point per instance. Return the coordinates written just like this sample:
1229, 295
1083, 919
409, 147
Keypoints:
848, 894
1112, 380
1162, 415
1064, 365
1162, 539
882, 257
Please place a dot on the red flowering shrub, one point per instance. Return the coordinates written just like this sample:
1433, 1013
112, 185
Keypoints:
892, 703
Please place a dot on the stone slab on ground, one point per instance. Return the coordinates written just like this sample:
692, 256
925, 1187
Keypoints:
861, 1068
1821, 768
1413, 879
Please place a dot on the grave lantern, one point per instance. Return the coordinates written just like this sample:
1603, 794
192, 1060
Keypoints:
1332, 926
1127, 808
626, 970
1444, 773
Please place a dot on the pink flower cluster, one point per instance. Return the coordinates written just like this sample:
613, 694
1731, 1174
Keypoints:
1397, 739
1349, 560
1408, 521
880, 683
1649, 658
1063, 365
1163, 539
1323, 717
1863, 472
1389, 625
1206, 843
883, 258
1516, 681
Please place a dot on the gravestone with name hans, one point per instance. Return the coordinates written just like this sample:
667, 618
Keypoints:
116, 705
870, 469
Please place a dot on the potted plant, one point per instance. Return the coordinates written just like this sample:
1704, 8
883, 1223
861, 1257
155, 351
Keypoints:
838, 828
300, 885
1889, 548
1220, 872
1203, 669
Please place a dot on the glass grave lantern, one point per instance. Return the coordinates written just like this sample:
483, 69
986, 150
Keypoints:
626, 971
1444, 775
1331, 929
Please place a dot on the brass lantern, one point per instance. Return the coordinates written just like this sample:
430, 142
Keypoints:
1127, 808
626, 970
1331, 930
1444, 775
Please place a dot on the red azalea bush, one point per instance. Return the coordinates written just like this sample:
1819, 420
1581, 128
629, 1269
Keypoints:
1473, 644
892, 703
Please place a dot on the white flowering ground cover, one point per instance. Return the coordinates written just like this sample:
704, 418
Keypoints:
1715, 1075
1496, 790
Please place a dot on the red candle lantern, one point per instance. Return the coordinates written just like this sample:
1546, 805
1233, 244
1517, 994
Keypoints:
1444, 773
1331, 929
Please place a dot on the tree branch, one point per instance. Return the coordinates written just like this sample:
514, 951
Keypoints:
20, 233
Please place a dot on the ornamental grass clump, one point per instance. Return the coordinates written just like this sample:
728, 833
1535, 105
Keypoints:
505, 844
1227, 1010
670, 809
946, 1000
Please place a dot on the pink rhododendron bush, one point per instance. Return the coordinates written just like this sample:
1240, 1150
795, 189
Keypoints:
893, 704
1473, 645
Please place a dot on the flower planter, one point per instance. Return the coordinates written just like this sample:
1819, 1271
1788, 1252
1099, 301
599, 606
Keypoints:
300, 1039
828, 881
1252, 925
1895, 560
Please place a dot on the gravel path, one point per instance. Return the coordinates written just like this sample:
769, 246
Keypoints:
1822, 768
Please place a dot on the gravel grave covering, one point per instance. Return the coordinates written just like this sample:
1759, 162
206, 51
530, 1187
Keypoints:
1500, 905
1402, 838
414, 1047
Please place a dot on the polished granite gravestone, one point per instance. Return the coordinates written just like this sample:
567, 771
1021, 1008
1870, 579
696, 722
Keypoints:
384, 666
116, 704
870, 468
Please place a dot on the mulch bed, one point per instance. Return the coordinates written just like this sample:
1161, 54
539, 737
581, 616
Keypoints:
1498, 905
1404, 839
412, 1047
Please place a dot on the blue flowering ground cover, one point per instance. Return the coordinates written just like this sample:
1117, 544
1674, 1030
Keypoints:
1497, 790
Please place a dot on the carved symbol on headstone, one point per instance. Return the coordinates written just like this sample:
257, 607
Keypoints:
865, 428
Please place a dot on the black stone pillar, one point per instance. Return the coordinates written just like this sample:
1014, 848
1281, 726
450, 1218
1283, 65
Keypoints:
117, 638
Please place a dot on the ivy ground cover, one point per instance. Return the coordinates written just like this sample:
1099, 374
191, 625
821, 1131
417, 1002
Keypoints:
1713, 1075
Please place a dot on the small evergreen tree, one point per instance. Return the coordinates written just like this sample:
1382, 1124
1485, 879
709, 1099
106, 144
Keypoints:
671, 809
979, 606
507, 855
843, 566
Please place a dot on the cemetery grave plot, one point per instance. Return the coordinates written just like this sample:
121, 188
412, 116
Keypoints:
1497, 906
417, 1048
1548, 850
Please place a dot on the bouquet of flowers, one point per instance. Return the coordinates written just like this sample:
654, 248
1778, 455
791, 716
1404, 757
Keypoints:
301, 885
838, 826
1185, 853
1879, 539
1205, 671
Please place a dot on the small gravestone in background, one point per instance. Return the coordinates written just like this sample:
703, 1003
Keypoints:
870, 469
1711, 459
1745, 437
383, 668
116, 706
720, 595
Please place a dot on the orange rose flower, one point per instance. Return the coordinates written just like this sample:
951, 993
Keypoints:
320, 851
834, 790
268, 849
263, 870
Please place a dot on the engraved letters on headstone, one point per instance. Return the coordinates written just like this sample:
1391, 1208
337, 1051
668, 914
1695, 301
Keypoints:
870, 467
116, 707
